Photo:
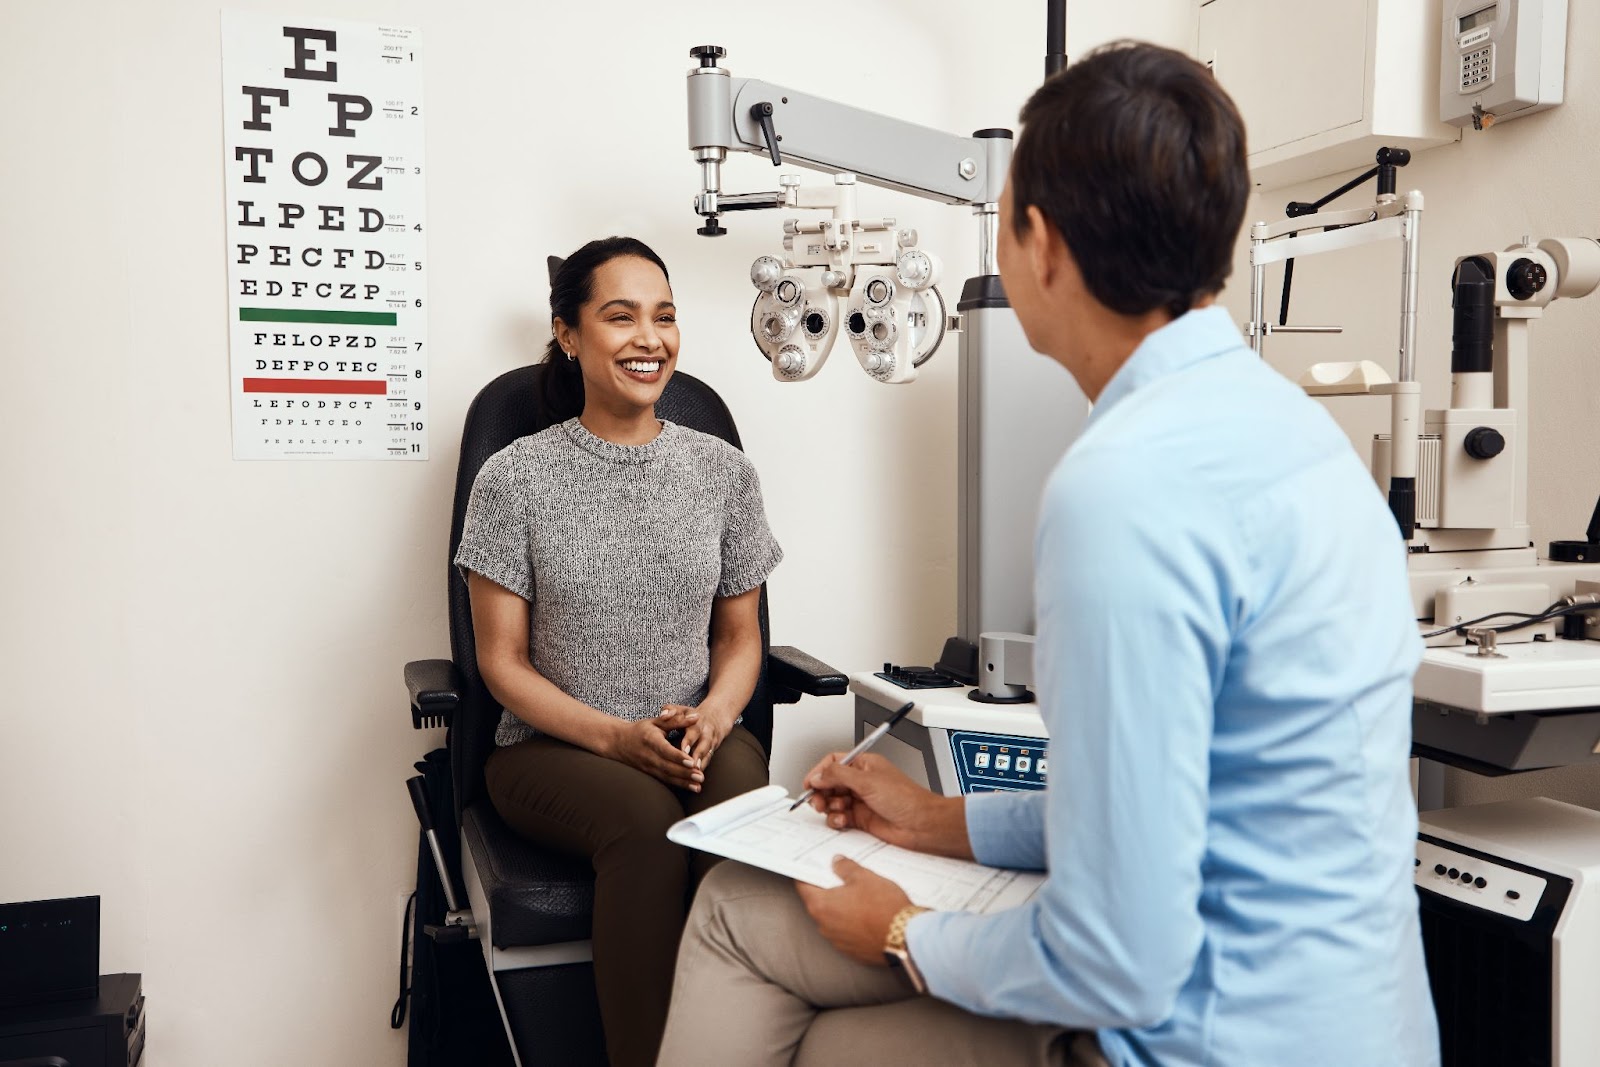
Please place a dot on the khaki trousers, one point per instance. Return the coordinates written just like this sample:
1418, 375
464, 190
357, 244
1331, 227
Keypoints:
757, 985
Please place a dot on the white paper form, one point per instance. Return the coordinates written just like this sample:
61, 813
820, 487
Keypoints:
759, 829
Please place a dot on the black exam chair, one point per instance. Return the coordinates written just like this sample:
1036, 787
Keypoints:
531, 905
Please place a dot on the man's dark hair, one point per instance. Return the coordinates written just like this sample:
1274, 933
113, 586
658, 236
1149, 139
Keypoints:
1137, 156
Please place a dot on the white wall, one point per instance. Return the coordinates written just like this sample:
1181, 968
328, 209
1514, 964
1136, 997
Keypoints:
204, 722
1533, 176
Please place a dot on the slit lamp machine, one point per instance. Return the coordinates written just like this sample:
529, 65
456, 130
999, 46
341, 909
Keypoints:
1511, 677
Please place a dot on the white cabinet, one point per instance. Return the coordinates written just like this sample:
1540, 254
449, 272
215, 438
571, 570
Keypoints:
1323, 84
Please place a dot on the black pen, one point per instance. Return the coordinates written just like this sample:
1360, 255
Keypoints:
866, 743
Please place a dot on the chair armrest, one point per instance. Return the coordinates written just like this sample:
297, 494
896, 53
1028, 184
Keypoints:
792, 674
435, 688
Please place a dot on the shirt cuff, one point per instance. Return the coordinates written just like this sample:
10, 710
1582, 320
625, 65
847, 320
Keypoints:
747, 577
948, 950
495, 568
1007, 829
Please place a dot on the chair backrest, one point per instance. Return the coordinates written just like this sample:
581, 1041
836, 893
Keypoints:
505, 410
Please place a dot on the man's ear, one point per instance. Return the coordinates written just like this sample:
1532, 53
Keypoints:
1044, 247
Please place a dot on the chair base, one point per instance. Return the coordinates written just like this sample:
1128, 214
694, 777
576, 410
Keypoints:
552, 1015
545, 993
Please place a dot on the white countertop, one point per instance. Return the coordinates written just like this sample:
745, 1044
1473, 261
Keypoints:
950, 709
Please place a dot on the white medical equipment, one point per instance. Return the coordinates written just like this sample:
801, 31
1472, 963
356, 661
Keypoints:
1501, 59
871, 281
862, 277
1457, 482
1510, 907
961, 748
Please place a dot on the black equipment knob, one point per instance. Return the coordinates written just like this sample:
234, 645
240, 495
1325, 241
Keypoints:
762, 113
707, 54
1388, 160
1524, 278
1484, 442
1580, 551
711, 228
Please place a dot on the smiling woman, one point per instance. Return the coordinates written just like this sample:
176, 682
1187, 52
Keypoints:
610, 305
614, 563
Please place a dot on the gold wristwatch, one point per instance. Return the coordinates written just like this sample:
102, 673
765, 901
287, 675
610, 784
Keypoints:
895, 952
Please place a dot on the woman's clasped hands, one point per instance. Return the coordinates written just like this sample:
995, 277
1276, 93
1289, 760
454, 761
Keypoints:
645, 745
708, 728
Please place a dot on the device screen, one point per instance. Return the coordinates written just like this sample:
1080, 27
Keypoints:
1478, 18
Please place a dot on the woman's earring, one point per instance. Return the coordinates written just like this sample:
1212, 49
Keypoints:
571, 358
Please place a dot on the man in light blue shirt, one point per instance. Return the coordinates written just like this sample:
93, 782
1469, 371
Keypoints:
1225, 647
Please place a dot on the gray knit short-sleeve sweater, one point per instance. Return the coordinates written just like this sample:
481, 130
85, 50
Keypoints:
619, 550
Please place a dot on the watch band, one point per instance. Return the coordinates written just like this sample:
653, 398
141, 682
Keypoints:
895, 952
897, 926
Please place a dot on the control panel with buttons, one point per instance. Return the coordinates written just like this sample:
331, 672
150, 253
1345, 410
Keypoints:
917, 677
989, 762
1477, 68
1473, 880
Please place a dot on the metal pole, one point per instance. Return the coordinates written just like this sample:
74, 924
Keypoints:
1408, 289
1055, 37
988, 237
1258, 283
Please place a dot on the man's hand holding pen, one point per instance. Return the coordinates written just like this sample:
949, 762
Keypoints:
868, 794
871, 794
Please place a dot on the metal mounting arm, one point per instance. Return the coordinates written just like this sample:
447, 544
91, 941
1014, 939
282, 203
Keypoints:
728, 114
1391, 216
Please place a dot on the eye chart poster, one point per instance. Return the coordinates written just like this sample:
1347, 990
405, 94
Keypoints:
327, 306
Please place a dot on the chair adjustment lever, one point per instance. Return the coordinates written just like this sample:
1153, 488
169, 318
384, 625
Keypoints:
453, 929
419, 800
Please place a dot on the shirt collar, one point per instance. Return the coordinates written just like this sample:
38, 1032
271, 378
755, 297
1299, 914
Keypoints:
1189, 339
579, 434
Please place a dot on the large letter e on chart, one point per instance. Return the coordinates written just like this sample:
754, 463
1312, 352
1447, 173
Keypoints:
303, 54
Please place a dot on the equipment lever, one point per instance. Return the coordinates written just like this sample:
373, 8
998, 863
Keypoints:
419, 800
762, 113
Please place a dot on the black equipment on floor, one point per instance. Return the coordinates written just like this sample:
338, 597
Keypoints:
49, 950
98, 1031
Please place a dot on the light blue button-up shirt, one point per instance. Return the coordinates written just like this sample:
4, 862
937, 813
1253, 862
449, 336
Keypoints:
1224, 661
